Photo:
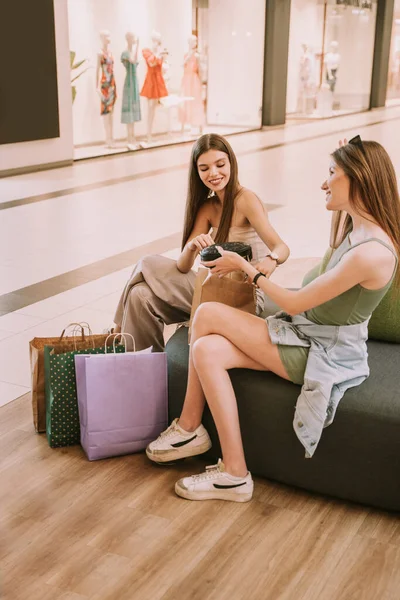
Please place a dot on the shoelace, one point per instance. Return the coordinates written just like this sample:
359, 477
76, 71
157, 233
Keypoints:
209, 473
168, 432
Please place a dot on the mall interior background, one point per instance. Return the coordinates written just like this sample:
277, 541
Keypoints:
393, 87
331, 47
323, 67
230, 48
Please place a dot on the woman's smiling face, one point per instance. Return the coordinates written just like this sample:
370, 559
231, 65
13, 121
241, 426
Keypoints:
337, 188
214, 169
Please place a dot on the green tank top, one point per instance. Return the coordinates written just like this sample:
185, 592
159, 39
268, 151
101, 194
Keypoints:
356, 304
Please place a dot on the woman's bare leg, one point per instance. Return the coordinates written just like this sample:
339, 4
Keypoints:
226, 339
213, 317
193, 406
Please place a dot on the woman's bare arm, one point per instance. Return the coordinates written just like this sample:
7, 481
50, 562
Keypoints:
252, 208
360, 266
198, 239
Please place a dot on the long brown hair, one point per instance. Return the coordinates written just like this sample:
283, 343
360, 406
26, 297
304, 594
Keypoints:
198, 192
373, 191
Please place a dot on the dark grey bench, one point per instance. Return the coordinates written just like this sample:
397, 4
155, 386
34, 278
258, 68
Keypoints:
358, 457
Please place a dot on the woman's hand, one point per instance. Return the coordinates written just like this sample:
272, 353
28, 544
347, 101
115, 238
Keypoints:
229, 261
199, 242
267, 266
343, 142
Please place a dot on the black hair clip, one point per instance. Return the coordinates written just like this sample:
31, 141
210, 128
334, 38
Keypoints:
357, 141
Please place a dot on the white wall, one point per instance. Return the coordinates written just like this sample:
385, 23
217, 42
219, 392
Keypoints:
235, 61
172, 18
26, 154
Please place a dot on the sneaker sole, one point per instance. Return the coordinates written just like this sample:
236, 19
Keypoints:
178, 454
188, 495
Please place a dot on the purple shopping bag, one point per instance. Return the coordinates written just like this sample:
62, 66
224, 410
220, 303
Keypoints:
123, 404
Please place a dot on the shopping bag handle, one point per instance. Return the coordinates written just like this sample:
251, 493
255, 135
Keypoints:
75, 326
86, 325
123, 337
83, 325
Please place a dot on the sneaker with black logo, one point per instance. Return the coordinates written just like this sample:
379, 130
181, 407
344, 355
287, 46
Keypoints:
175, 443
216, 484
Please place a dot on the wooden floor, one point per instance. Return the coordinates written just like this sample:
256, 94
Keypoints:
114, 530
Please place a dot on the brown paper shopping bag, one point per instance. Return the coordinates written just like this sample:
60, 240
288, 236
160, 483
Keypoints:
78, 341
232, 290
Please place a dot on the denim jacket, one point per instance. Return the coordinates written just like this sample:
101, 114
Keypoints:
337, 361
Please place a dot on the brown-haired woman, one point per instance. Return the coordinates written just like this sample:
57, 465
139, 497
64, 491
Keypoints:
319, 341
218, 209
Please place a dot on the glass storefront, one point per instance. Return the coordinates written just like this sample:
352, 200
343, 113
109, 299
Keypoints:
393, 86
331, 48
150, 72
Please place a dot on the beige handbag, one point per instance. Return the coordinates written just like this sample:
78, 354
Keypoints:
233, 290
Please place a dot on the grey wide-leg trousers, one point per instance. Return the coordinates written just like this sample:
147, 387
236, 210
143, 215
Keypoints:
156, 294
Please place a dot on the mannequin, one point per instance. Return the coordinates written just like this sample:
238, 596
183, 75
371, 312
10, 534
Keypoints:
192, 111
130, 99
154, 86
332, 62
105, 85
306, 79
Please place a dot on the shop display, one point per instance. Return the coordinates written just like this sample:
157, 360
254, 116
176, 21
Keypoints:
393, 84
394, 72
106, 87
324, 100
306, 97
191, 112
154, 86
74, 67
130, 112
332, 62
330, 74
179, 81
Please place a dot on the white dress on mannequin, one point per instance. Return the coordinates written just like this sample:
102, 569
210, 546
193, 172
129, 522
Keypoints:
306, 80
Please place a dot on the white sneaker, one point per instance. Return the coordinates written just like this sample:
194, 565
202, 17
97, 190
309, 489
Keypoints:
175, 443
216, 484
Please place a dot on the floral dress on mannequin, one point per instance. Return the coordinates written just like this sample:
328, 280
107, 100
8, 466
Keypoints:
130, 97
192, 111
154, 84
108, 87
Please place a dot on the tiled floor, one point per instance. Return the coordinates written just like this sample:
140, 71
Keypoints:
95, 211
175, 137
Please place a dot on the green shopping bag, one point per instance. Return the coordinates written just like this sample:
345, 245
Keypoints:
62, 416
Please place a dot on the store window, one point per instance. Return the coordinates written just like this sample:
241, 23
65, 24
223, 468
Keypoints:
393, 87
331, 46
151, 72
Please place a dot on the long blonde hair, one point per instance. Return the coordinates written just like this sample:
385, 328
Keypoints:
373, 190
